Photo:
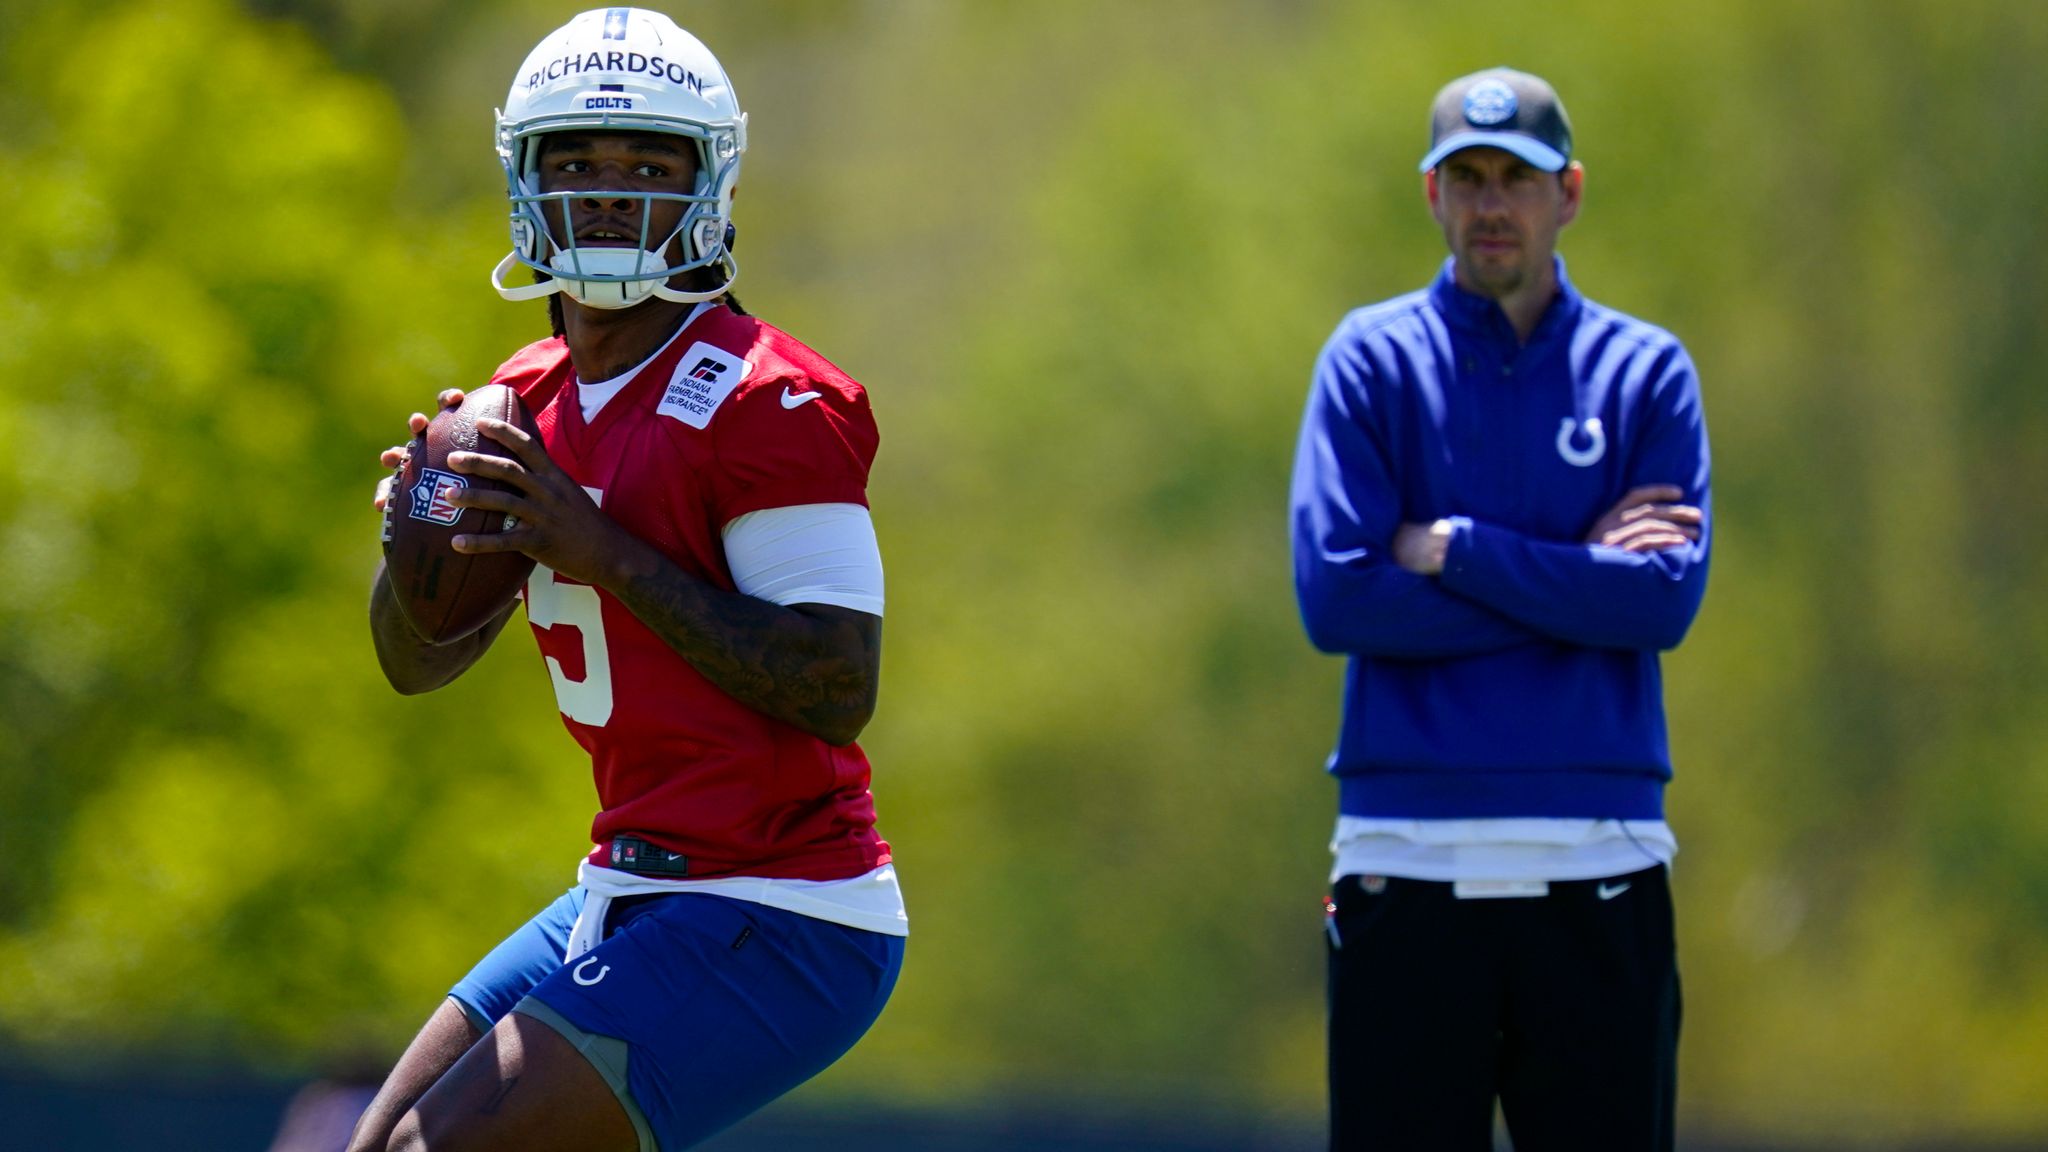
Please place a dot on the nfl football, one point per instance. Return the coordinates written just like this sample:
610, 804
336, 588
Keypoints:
444, 594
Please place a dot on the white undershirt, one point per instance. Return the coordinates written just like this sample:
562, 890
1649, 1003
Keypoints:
592, 397
807, 554
1511, 849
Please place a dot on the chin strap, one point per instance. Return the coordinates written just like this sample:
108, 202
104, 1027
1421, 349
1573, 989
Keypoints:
558, 282
680, 297
530, 292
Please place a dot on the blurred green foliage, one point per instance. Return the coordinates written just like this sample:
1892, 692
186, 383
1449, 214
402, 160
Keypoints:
1082, 255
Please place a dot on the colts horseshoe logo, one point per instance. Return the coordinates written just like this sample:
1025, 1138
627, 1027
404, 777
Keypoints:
1581, 457
578, 973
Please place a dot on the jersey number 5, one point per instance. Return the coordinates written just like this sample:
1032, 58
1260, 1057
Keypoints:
554, 607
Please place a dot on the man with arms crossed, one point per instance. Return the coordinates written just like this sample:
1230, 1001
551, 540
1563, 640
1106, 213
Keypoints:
708, 602
1500, 515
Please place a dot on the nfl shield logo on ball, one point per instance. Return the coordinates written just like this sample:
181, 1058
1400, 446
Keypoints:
430, 496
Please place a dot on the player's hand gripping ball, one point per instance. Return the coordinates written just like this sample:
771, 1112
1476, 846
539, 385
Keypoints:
444, 594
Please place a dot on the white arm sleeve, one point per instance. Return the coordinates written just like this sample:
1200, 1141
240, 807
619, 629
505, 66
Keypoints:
807, 554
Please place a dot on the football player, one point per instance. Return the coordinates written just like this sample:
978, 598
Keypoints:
707, 602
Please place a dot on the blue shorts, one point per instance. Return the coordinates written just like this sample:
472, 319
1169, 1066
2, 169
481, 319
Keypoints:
697, 1009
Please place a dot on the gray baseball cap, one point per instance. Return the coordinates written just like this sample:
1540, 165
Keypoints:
1500, 108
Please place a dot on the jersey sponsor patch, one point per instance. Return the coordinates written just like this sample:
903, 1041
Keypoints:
430, 496
704, 377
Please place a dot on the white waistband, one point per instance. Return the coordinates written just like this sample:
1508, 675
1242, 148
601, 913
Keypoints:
1508, 849
871, 901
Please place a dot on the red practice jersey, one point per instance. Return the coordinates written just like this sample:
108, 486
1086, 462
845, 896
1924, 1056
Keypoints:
733, 416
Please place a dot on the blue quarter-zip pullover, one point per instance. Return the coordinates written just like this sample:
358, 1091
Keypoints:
1522, 681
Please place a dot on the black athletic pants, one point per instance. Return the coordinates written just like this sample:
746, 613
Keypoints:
1563, 1006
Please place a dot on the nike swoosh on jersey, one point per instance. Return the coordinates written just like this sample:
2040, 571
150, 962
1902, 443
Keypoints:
797, 399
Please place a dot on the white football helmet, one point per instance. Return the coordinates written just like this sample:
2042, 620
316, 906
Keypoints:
630, 70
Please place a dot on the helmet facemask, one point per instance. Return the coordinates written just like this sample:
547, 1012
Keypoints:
614, 277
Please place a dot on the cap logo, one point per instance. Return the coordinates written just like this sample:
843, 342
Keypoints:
1490, 102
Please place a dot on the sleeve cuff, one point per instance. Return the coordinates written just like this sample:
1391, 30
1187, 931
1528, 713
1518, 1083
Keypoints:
1458, 554
811, 490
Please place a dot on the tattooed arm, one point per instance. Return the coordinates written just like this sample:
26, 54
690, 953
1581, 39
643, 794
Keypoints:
814, 666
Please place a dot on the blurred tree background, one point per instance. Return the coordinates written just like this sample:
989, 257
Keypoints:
1082, 255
